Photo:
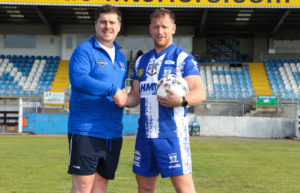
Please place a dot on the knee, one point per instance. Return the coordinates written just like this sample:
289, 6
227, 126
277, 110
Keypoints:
146, 188
82, 186
100, 184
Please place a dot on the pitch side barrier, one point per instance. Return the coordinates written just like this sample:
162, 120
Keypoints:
165, 3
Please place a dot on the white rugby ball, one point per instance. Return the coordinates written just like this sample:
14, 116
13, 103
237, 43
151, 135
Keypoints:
173, 82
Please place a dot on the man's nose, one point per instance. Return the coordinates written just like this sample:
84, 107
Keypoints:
160, 30
107, 25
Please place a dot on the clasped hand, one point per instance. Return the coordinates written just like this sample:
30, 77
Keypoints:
120, 98
172, 100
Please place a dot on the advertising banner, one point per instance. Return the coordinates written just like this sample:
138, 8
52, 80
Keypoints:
267, 101
165, 3
54, 98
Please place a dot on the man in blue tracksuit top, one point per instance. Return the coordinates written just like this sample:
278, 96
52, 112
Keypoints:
97, 71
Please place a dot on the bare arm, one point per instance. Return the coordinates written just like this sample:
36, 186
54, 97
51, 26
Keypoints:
133, 99
195, 96
197, 92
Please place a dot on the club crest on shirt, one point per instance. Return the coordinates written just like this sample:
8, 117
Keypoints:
101, 63
140, 72
152, 67
122, 66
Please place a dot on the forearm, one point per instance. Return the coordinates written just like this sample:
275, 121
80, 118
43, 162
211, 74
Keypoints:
91, 86
195, 97
197, 92
132, 100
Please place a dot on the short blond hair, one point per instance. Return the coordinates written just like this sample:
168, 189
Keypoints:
161, 13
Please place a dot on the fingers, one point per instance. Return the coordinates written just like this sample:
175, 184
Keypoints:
170, 91
120, 98
172, 100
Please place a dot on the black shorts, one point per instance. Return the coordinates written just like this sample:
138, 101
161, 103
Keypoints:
89, 155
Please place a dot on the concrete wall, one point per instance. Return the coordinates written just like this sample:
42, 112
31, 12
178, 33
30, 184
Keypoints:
213, 109
260, 49
58, 123
256, 127
46, 45
246, 47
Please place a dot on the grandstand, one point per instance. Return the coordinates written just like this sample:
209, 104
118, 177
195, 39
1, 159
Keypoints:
26, 75
223, 81
61, 81
34, 75
241, 55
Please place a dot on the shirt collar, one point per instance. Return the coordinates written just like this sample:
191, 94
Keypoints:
164, 51
95, 43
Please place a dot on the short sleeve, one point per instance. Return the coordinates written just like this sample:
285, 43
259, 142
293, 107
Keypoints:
190, 67
135, 70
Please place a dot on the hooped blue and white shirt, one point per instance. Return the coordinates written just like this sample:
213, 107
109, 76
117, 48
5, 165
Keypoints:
155, 120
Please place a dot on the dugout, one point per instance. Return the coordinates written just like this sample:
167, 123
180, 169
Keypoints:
11, 115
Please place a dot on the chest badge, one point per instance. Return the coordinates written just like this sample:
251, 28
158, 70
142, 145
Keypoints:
122, 66
152, 68
101, 63
140, 72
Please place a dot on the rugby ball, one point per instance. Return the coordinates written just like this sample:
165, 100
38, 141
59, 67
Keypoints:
173, 82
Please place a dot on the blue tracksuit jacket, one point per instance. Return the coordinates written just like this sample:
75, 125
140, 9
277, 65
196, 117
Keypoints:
94, 80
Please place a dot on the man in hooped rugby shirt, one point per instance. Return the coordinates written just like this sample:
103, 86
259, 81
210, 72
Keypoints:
162, 144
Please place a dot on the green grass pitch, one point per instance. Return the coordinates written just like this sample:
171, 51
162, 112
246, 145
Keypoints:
37, 164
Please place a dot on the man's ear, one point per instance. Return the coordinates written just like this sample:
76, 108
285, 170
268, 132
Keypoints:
174, 29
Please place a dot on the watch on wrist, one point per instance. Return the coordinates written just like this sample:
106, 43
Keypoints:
184, 102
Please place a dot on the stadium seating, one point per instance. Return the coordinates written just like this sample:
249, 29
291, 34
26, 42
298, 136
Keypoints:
61, 81
26, 75
222, 81
260, 80
284, 77
33, 75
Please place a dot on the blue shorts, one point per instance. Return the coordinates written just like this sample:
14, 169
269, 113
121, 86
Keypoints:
167, 156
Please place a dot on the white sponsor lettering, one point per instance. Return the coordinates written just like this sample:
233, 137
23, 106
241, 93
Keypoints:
169, 62
175, 166
136, 152
136, 163
137, 158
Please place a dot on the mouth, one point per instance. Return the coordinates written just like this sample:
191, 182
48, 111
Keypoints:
107, 32
160, 38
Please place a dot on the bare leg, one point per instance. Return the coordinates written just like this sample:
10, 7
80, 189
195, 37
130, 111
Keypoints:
146, 184
82, 184
100, 184
183, 183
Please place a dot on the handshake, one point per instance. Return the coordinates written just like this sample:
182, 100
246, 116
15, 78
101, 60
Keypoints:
120, 98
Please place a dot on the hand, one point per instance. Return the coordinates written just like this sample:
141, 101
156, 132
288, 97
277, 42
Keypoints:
120, 98
173, 100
